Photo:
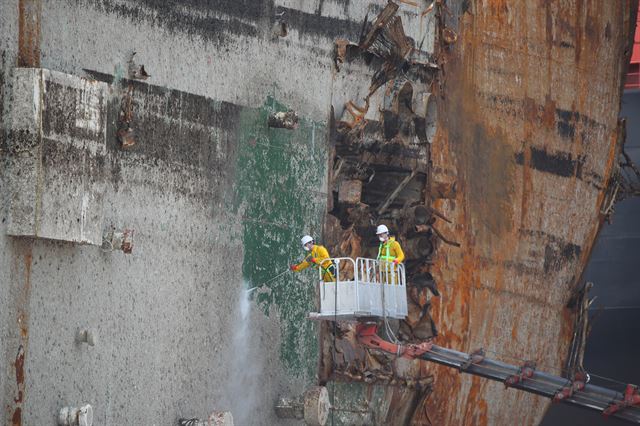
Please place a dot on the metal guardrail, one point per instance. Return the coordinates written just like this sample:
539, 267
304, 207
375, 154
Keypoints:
364, 287
368, 270
380, 272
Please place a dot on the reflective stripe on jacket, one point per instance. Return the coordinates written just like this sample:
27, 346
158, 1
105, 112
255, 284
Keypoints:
390, 251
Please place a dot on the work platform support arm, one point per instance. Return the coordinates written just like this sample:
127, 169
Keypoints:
526, 378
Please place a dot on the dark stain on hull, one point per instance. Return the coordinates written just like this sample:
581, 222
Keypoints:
218, 19
189, 132
565, 120
58, 100
174, 16
241, 9
557, 251
183, 127
173, 125
558, 255
566, 123
318, 25
560, 164
3, 131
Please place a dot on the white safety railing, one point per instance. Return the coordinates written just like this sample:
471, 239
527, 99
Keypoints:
362, 288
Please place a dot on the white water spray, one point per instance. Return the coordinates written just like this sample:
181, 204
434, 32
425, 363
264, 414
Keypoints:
246, 364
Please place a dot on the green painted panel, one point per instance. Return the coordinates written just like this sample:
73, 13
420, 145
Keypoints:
281, 180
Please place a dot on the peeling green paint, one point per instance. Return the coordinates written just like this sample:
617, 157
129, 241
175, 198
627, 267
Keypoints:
281, 181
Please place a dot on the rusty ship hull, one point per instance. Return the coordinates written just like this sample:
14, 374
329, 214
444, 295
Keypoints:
531, 134
526, 143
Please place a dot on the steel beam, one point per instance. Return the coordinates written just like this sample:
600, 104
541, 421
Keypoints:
544, 384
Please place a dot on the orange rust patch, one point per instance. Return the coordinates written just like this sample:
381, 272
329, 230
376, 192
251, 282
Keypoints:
22, 323
16, 420
549, 113
22, 303
19, 366
446, 381
530, 109
476, 408
29, 14
497, 5
22, 315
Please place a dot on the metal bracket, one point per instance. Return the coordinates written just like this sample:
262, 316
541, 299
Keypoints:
631, 398
366, 335
475, 357
577, 384
524, 372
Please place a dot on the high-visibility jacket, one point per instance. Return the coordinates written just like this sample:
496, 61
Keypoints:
390, 251
321, 255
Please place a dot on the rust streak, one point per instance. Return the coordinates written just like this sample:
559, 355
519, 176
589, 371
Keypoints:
514, 330
22, 319
29, 17
19, 366
476, 406
23, 314
16, 420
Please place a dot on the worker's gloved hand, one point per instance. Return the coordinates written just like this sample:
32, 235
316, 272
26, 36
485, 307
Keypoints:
313, 260
293, 267
396, 261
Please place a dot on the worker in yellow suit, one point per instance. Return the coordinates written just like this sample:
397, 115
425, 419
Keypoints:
390, 254
318, 257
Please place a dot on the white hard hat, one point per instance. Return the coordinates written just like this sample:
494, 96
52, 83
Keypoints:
382, 229
306, 239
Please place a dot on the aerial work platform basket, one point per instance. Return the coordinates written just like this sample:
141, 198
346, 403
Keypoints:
363, 288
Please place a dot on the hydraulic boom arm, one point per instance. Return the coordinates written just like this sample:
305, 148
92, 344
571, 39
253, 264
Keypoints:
525, 377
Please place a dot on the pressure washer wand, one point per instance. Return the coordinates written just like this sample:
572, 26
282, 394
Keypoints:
268, 281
